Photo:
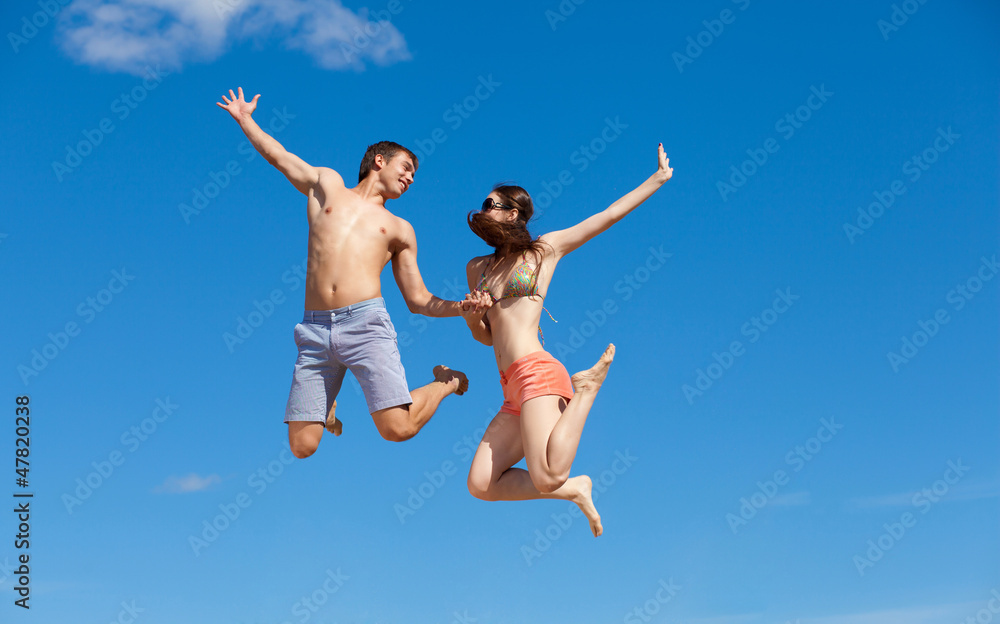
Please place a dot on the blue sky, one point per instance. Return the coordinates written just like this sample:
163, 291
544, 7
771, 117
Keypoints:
801, 420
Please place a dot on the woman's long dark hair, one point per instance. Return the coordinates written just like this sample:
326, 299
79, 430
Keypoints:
504, 237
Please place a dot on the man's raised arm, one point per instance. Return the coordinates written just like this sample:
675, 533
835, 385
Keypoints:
300, 173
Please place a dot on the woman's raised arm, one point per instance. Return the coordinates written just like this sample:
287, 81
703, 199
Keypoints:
565, 241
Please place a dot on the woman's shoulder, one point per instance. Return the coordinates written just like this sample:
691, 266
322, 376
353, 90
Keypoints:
544, 252
476, 268
477, 261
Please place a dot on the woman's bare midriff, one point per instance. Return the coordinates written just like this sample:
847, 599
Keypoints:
514, 327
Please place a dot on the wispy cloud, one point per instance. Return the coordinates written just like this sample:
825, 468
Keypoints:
186, 484
914, 615
905, 499
128, 35
744, 618
928, 614
792, 499
884, 500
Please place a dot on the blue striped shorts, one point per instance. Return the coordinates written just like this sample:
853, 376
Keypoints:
359, 337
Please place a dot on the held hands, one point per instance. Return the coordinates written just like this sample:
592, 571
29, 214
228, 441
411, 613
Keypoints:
476, 305
664, 172
237, 106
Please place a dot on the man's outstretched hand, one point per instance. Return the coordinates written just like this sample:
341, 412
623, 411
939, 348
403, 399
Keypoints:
237, 106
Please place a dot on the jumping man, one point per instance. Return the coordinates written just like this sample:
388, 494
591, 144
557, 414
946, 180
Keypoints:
351, 238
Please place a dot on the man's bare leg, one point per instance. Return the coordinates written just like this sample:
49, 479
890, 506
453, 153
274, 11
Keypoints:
401, 423
304, 437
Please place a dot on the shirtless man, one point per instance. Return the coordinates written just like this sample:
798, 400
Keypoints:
351, 238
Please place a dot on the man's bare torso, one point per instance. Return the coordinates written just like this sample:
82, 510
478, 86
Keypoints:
350, 242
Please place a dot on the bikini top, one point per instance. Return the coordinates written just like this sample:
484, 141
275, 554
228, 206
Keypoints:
521, 283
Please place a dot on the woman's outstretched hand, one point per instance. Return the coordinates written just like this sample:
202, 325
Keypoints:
664, 172
237, 106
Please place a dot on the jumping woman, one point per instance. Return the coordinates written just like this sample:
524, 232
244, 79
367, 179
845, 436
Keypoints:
544, 409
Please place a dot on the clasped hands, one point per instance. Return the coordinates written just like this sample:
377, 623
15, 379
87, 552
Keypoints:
476, 304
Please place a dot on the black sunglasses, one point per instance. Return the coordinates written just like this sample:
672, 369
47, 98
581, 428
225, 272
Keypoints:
489, 204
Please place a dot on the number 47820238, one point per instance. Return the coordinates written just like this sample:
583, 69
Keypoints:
23, 432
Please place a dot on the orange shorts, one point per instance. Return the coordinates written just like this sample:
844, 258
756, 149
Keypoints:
536, 374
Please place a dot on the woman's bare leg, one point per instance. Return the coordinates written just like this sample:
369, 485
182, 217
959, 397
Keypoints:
492, 477
551, 433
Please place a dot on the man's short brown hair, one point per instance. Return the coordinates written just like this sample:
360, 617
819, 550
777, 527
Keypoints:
387, 149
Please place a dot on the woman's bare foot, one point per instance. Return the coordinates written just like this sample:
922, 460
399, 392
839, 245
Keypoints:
457, 380
591, 379
583, 486
333, 424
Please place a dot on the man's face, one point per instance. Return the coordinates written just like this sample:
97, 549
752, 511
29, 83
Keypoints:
397, 174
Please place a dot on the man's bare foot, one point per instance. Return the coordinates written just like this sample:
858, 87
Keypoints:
457, 380
333, 424
583, 486
591, 379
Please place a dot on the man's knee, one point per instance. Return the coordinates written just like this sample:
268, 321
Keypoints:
303, 449
397, 431
395, 424
302, 443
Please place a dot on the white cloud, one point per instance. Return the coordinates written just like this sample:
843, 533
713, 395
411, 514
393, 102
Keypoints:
129, 35
185, 484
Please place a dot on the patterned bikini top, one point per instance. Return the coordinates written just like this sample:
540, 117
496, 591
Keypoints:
522, 282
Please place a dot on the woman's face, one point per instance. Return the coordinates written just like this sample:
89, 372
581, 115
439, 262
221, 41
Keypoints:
497, 213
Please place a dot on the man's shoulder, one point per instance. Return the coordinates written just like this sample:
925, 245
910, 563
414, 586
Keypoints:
330, 178
404, 230
403, 226
401, 233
